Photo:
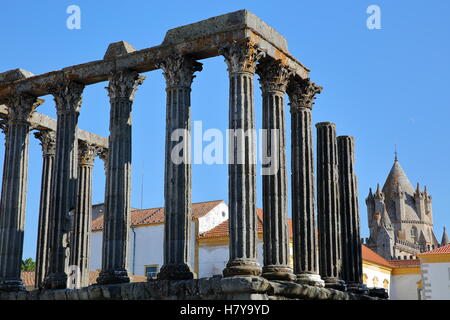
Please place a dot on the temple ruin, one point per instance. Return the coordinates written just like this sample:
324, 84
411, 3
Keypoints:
323, 263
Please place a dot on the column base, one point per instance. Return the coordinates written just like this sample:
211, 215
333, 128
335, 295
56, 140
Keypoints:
357, 288
175, 272
310, 279
55, 281
113, 276
242, 267
334, 283
379, 293
7, 285
274, 272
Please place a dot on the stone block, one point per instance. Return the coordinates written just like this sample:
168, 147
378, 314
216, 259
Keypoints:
244, 284
117, 49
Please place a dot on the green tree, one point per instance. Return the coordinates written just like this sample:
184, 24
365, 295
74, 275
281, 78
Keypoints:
28, 265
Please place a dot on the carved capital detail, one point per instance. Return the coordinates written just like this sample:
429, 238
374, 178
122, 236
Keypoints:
47, 140
123, 84
242, 56
68, 96
302, 94
87, 153
103, 155
179, 70
273, 75
21, 106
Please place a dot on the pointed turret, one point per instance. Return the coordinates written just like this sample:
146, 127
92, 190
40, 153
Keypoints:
444, 240
378, 193
397, 176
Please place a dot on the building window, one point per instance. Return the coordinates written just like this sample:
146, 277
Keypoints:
151, 271
375, 282
365, 278
386, 284
223, 214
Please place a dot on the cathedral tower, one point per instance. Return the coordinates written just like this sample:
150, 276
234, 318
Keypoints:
400, 217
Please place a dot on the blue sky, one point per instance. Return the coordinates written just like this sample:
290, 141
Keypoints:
385, 87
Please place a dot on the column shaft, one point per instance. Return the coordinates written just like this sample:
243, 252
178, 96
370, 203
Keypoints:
121, 89
348, 188
274, 78
306, 254
67, 95
178, 72
13, 196
47, 139
241, 59
328, 205
80, 240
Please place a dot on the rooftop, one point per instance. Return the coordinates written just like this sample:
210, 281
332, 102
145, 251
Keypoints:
141, 217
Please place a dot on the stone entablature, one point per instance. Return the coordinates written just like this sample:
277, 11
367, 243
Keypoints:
201, 40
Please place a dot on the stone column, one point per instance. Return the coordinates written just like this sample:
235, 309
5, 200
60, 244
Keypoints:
349, 211
274, 77
67, 95
47, 140
241, 59
80, 241
121, 90
179, 73
306, 255
330, 247
14, 189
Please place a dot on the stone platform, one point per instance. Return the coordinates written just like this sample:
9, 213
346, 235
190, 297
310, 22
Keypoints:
215, 288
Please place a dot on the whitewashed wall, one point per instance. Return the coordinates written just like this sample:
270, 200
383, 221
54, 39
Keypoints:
147, 251
371, 273
404, 287
436, 280
213, 259
213, 218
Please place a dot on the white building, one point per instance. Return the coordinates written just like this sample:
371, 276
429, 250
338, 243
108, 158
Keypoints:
209, 253
147, 236
435, 266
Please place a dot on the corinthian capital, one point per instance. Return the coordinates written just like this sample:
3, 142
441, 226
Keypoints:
123, 84
103, 155
273, 75
302, 94
67, 95
87, 153
47, 140
21, 106
179, 70
242, 56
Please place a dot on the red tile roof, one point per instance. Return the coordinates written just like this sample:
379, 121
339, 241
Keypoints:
411, 263
371, 256
221, 230
441, 250
141, 217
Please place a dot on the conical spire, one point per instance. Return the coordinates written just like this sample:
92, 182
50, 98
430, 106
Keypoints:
397, 177
444, 240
